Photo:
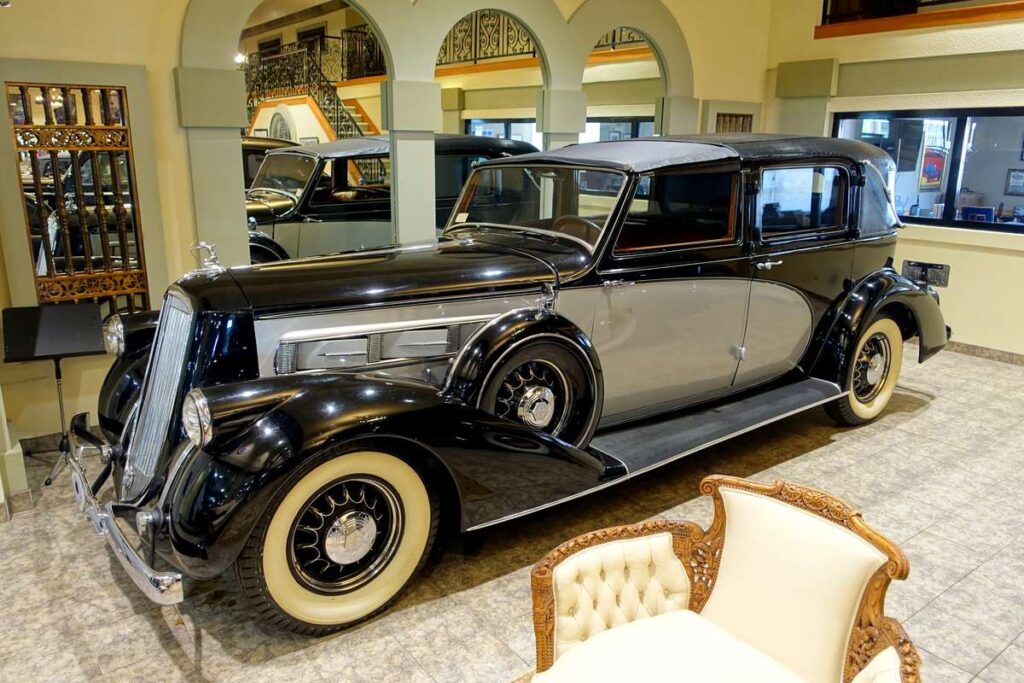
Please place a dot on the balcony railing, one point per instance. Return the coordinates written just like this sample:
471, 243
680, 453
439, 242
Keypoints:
839, 11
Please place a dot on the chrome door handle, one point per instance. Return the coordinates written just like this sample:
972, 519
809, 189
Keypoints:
767, 265
617, 283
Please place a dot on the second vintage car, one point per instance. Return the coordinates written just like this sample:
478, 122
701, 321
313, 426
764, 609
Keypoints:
336, 196
589, 314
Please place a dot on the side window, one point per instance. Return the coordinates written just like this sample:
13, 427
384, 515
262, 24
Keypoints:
451, 171
252, 165
675, 209
800, 200
876, 214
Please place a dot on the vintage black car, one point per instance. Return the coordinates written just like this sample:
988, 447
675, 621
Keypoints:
589, 314
336, 196
254, 150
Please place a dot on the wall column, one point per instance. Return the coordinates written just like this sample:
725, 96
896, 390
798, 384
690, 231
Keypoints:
411, 112
453, 101
561, 116
211, 109
805, 89
676, 115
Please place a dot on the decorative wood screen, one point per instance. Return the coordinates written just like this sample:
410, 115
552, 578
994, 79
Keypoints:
74, 154
734, 123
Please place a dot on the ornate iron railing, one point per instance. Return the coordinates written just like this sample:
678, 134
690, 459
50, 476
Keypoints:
620, 37
485, 34
74, 150
838, 11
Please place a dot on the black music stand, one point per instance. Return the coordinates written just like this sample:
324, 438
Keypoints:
53, 332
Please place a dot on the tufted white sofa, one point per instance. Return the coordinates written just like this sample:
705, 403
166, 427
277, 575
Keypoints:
788, 584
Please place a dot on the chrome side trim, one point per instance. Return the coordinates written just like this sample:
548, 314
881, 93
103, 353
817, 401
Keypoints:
440, 298
629, 475
342, 332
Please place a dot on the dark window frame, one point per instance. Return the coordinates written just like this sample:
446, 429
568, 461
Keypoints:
840, 231
736, 199
957, 151
634, 131
506, 123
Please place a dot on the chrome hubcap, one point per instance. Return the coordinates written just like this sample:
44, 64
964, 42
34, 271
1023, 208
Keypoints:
350, 537
537, 407
346, 535
537, 394
871, 368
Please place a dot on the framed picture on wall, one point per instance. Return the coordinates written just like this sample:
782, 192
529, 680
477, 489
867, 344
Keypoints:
312, 140
259, 132
1015, 182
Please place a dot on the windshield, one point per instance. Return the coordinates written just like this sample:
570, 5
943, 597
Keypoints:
286, 172
572, 202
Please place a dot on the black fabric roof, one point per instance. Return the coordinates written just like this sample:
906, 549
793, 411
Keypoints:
646, 154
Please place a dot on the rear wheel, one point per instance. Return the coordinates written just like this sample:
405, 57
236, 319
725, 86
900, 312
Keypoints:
874, 370
339, 543
545, 386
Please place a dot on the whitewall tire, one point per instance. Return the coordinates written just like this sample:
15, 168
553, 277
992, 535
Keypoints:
338, 542
874, 370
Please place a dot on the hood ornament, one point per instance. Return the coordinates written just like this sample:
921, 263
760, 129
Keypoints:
208, 261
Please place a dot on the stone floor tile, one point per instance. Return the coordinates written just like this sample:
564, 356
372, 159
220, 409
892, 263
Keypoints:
946, 635
1008, 667
46, 664
937, 670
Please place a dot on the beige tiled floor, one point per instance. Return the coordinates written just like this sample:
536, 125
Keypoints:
941, 474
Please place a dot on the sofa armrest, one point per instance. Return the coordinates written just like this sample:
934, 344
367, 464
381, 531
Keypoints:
613, 576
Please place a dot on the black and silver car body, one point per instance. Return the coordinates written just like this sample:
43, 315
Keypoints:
659, 304
336, 196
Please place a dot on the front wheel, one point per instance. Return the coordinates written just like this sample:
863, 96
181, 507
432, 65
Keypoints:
338, 543
874, 370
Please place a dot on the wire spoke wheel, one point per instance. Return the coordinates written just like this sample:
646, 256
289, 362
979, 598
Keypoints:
345, 535
871, 368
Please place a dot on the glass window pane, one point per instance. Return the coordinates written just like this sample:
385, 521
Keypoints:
921, 148
679, 209
550, 199
488, 129
800, 199
992, 179
646, 129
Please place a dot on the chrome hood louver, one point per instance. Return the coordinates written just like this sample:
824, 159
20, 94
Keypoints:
160, 391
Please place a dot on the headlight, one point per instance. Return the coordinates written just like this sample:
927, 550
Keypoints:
113, 335
195, 418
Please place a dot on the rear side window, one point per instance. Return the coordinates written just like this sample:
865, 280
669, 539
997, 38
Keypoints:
678, 209
793, 201
876, 214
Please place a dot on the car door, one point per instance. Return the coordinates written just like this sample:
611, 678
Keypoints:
801, 259
674, 286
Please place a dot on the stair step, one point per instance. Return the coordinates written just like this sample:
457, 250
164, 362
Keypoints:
645, 445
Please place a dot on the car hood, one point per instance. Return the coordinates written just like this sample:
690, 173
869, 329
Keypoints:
468, 266
266, 206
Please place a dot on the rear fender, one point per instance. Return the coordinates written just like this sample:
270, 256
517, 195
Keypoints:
493, 468
882, 292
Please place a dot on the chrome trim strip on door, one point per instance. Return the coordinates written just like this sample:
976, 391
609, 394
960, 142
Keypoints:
629, 475
345, 331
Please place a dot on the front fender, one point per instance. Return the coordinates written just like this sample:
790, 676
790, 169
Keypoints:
123, 381
881, 290
493, 468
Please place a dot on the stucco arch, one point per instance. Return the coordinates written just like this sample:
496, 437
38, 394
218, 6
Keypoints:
594, 18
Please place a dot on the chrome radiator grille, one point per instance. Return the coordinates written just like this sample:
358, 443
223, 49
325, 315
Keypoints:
160, 394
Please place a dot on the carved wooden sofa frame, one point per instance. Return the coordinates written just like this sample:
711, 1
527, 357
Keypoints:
700, 552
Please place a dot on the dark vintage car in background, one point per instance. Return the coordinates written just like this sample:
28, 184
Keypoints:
336, 196
589, 314
254, 150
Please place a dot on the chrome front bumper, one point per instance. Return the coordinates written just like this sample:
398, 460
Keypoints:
164, 588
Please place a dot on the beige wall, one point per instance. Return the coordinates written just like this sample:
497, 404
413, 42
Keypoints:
980, 303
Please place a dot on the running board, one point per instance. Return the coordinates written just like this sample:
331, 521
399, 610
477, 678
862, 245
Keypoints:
644, 446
